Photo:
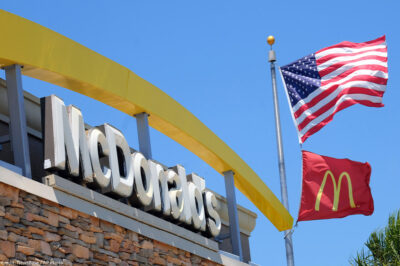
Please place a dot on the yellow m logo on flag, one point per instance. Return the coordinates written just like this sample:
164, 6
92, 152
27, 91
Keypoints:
318, 171
336, 190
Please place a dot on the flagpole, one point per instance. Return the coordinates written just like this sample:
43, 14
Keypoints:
281, 160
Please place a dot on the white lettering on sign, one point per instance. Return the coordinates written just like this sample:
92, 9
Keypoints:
101, 158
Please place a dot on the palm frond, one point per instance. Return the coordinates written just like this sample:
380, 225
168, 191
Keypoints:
382, 247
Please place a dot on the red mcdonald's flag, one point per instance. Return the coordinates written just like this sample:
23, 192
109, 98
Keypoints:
334, 188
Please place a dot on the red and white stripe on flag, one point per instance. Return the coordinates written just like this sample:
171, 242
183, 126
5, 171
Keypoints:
349, 73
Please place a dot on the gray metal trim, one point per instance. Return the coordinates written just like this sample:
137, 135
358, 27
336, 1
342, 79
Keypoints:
231, 259
11, 167
18, 132
233, 214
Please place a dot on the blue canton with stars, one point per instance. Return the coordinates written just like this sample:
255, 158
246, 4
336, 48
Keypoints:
301, 78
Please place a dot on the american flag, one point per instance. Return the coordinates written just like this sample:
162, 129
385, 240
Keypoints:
323, 83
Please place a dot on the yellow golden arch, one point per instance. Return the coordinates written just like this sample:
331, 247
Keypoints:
336, 190
51, 57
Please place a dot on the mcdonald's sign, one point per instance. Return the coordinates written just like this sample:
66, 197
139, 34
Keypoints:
77, 68
324, 194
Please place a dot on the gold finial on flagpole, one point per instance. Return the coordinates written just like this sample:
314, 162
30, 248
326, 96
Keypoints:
271, 40
271, 54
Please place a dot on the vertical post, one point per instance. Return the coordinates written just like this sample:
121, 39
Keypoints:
142, 123
281, 160
18, 132
232, 213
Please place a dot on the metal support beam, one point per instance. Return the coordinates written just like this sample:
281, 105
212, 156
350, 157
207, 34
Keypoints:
18, 133
143, 130
233, 214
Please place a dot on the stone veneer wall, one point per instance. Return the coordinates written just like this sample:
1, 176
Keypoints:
33, 229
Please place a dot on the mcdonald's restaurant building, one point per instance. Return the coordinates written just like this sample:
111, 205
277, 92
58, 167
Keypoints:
75, 194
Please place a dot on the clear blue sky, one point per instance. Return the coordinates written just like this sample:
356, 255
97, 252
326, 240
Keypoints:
211, 57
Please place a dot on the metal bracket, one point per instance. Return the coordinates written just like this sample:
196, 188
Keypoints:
222, 237
143, 130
